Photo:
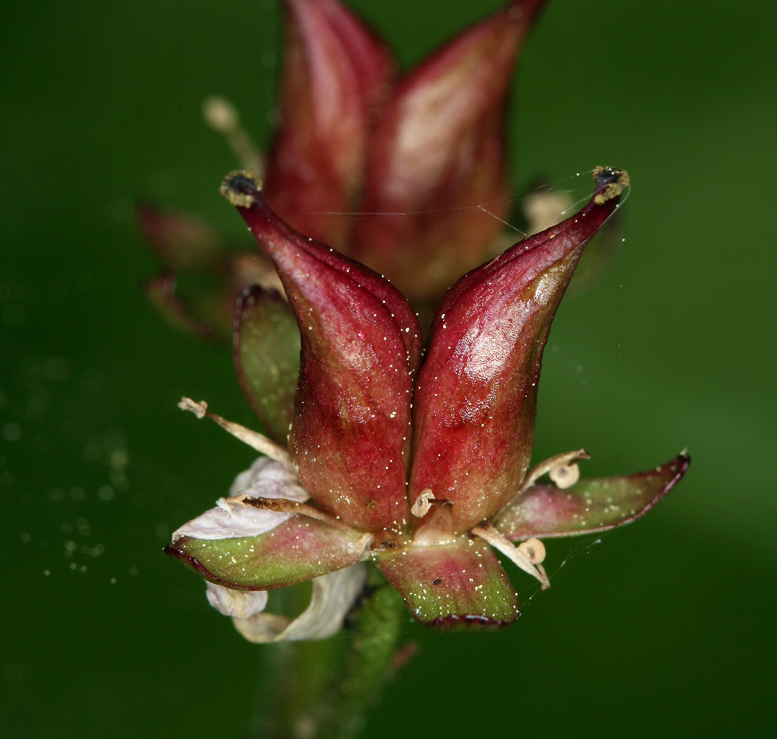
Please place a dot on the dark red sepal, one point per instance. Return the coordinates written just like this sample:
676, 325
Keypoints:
475, 398
336, 73
437, 153
350, 437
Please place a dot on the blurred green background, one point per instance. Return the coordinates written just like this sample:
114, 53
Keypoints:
666, 627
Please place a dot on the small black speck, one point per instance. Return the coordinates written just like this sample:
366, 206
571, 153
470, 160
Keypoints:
608, 175
437, 581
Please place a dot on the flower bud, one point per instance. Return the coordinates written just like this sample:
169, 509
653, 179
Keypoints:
475, 398
336, 72
437, 153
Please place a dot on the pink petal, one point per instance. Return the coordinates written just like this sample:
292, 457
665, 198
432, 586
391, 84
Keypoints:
436, 154
475, 399
336, 71
360, 348
299, 549
456, 585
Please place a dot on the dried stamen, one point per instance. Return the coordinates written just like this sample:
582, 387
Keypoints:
254, 439
553, 466
523, 558
612, 181
422, 503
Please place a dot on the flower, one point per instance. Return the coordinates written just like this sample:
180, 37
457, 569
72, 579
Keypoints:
378, 450
420, 157
415, 460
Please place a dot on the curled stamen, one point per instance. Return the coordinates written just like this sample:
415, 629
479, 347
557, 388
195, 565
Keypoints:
520, 557
553, 466
422, 503
565, 475
533, 550
254, 439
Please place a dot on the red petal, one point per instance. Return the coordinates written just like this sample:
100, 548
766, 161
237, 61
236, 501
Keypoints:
360, 348
456, 585
475, 399
437, 153
336, 71
590, 505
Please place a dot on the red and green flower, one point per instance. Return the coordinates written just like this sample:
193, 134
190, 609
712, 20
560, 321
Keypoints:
384, 446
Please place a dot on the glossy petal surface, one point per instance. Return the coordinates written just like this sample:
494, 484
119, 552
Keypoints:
335, 73
360, 346
296, 550
457, 585
267, 349
590, 505
437, 153
475, 398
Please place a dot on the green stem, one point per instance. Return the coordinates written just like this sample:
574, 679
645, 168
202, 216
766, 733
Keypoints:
324, 689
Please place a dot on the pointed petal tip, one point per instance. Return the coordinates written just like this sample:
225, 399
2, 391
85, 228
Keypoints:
174, 551
194, 564
242, 188
610, 183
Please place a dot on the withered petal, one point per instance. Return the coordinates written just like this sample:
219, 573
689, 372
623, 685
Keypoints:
333, 596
